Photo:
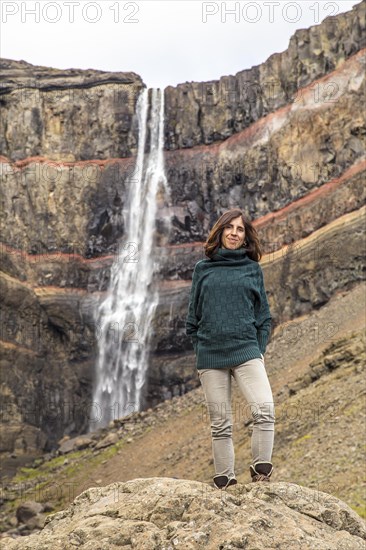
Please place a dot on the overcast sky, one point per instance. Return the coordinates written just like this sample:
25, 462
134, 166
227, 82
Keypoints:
165, 42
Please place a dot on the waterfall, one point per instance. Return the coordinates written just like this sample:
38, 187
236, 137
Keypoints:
123, 319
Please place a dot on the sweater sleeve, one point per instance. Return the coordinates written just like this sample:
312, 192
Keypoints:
192, 319
262, 315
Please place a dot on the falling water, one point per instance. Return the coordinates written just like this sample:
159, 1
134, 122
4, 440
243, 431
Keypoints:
123, 319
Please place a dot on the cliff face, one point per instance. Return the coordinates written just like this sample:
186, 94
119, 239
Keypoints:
66, 115
206, 112
284, 140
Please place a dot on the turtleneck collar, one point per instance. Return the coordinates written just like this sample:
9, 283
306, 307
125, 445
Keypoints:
229, 255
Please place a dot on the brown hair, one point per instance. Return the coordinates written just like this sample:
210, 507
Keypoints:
252, 245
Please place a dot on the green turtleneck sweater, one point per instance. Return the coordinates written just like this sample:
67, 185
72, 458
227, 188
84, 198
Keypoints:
228, 317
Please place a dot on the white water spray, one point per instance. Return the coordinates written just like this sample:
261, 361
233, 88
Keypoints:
124, 317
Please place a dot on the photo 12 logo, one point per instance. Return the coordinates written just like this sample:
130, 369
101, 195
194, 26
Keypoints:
71, 12
253, 12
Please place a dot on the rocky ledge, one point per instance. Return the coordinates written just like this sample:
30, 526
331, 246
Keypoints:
162, 513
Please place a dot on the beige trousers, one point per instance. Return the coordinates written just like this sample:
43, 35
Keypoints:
254, 385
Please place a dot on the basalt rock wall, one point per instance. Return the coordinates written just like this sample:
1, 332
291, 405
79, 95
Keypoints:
287, 145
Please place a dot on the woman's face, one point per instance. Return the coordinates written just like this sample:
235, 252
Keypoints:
233, 234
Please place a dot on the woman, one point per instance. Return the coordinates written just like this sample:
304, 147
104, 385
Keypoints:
229, 322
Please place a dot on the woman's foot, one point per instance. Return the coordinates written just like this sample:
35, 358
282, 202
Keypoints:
221, 482
261, 471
